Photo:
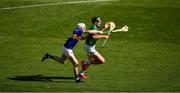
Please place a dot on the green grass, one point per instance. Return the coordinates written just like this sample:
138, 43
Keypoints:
144, 59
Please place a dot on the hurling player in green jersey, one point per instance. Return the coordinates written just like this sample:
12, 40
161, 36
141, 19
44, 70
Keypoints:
93, 56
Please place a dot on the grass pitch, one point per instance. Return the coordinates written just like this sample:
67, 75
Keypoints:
144, 59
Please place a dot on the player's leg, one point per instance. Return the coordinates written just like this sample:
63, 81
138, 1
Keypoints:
74, 61
61, 59
93, 58
91, 54
96, 59
69, 53
86, 63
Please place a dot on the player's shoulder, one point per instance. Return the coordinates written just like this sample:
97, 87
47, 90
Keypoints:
93, 27
78, 30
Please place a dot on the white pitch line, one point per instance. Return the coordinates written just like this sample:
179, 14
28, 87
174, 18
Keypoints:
52, 4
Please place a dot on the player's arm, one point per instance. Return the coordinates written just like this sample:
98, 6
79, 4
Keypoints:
93, 31
100, 36
98, 32
85, 33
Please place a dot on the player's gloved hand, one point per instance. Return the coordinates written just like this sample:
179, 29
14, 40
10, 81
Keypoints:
101, 32
106, 36
106, 25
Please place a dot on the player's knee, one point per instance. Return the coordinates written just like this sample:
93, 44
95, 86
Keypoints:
61, 61
75, 64
102, 61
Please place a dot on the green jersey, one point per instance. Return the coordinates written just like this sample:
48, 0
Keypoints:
90, 40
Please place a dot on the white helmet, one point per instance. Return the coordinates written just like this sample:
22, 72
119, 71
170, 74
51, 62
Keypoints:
81, 25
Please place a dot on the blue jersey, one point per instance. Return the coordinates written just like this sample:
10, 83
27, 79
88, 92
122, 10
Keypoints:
74, 38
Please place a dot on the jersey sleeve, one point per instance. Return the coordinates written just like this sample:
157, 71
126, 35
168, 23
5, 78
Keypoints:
93, 27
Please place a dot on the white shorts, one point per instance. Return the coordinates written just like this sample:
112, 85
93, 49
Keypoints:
67, 52
90, 49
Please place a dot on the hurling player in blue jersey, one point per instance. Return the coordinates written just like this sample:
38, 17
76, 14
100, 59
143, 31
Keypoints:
67, 51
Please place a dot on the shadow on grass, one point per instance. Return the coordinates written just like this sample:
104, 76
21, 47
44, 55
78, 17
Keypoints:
42, 78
